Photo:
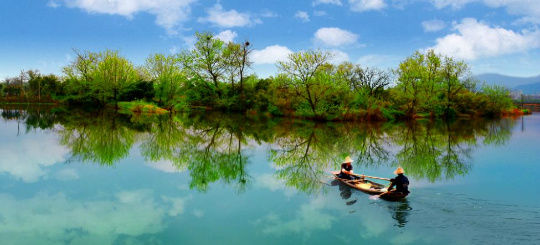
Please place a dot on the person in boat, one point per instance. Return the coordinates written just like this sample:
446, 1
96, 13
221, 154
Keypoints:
347, 169
401, 182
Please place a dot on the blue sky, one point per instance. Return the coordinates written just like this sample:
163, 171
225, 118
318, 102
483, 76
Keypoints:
500, 36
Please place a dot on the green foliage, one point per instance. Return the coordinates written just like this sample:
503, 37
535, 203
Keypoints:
497, 99
140, 107
433, 84
392, 114
98, 77
139, 90
46, 85
213, 76
168, 77
206, 59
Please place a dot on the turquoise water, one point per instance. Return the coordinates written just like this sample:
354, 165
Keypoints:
69, 177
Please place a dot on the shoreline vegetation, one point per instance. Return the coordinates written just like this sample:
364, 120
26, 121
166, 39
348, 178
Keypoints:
213, 76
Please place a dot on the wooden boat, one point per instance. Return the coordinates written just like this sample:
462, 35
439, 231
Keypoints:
371, 187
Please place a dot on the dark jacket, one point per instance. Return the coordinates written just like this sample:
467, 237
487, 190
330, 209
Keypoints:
401, 182
347, 167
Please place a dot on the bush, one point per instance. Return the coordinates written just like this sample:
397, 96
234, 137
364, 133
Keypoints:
140, 90
140, 107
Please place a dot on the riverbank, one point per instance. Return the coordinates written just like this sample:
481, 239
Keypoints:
373, 115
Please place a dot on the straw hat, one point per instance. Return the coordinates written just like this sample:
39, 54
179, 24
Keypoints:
348, 160
399, 170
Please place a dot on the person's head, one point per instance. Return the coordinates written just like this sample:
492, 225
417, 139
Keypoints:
399, 170
348, 160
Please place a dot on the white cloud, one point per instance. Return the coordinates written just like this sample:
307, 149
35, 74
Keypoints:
527, 20
379, 60
53, 4
227, 36
456, 4
530, 8
519, 7
333, 36
366, 5
268, 14
338, 56
335, 2
433, 25
270, 54
302, 15
169, 13
231, 18
475, 40
174, 50
189, 42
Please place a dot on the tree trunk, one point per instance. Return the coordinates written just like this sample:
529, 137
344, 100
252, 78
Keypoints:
310, 100
39, 91
115, 99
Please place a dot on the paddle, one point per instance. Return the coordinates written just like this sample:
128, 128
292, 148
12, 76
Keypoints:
371, 177
376, 197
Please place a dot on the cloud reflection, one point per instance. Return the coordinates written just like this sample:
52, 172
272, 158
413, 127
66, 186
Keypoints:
25, 157
57, 218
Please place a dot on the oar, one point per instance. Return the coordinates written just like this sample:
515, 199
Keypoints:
376, 197
371, 177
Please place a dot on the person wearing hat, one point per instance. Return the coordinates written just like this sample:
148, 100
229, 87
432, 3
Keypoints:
347, 169
401, 182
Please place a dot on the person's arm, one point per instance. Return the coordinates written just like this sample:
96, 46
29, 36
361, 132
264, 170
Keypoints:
347, 172
392, 184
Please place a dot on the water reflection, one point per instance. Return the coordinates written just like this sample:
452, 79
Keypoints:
214, 147
400, 211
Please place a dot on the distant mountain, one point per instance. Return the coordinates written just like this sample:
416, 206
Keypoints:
529, 85
533, 88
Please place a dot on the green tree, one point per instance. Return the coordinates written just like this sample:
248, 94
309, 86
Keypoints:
113, 74
80, 74
452, 74
371, 80
206, 59
302, 68
232, 60
410, 73
167, 75
497, 99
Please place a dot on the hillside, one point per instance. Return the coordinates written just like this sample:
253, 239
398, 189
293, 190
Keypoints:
529, 85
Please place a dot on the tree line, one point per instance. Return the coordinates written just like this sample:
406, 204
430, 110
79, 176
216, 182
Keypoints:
215, 75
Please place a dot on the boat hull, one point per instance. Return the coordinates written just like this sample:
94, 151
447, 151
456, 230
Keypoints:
370, 187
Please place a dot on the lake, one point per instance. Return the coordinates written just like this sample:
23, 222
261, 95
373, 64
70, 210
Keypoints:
74, 177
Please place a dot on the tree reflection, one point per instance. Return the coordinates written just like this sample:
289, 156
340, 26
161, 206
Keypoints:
214, 147
101, 138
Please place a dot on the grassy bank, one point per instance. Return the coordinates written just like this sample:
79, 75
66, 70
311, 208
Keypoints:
140, 107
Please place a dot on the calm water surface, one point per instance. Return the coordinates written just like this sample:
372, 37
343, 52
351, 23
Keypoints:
68, 177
